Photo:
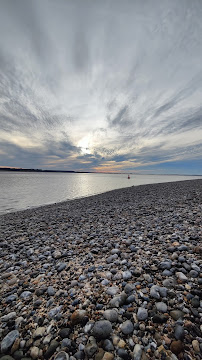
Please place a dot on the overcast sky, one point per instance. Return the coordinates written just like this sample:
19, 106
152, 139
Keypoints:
101, 85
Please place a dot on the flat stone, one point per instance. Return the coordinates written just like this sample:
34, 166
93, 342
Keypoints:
182, 277
108, 356
112, 290
195, 345
26, 295
7, 317
9, 339
137, 352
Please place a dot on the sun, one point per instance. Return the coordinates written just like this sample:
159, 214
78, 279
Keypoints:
84, 144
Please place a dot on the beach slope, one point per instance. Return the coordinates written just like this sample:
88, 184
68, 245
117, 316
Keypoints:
112, 276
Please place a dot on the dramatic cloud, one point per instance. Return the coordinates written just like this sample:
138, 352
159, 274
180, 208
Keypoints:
101, 85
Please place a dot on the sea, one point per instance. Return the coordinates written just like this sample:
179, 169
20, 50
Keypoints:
25, 190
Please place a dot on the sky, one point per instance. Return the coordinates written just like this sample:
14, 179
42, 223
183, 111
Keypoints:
101, 85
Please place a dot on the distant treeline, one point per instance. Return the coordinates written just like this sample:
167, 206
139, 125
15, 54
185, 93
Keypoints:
39, 170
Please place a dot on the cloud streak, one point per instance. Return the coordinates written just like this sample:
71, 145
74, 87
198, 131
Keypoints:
99, 85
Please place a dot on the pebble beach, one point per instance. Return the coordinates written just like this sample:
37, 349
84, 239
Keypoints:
112, 276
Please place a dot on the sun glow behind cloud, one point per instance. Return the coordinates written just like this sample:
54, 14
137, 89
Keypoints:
100, 86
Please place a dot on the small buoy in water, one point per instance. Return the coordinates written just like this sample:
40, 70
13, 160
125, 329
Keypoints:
128, 176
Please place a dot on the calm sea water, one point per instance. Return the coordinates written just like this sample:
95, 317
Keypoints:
19, 191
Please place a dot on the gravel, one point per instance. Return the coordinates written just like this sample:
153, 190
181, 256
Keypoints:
112, 276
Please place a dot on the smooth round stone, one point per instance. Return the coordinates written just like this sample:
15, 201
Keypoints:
127, 327
161, 306
9, 339
34, 352
64, 333
142, 314
62, 355
166, 272
193, 274
195, 302
102, 329
7, 357
111, 315
176, 346
179, 332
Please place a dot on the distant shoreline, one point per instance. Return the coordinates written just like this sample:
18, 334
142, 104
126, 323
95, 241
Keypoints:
88, 172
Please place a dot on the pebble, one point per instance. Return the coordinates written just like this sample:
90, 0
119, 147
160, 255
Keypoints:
111, 276
8, 340
127, 327
111, 315
176, 347
161, 306
137, 352
102, 329
142, 314
62, 355
34, 352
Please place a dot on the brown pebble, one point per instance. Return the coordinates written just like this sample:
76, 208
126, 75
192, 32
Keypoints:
108, 356
176, 346
195, 345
